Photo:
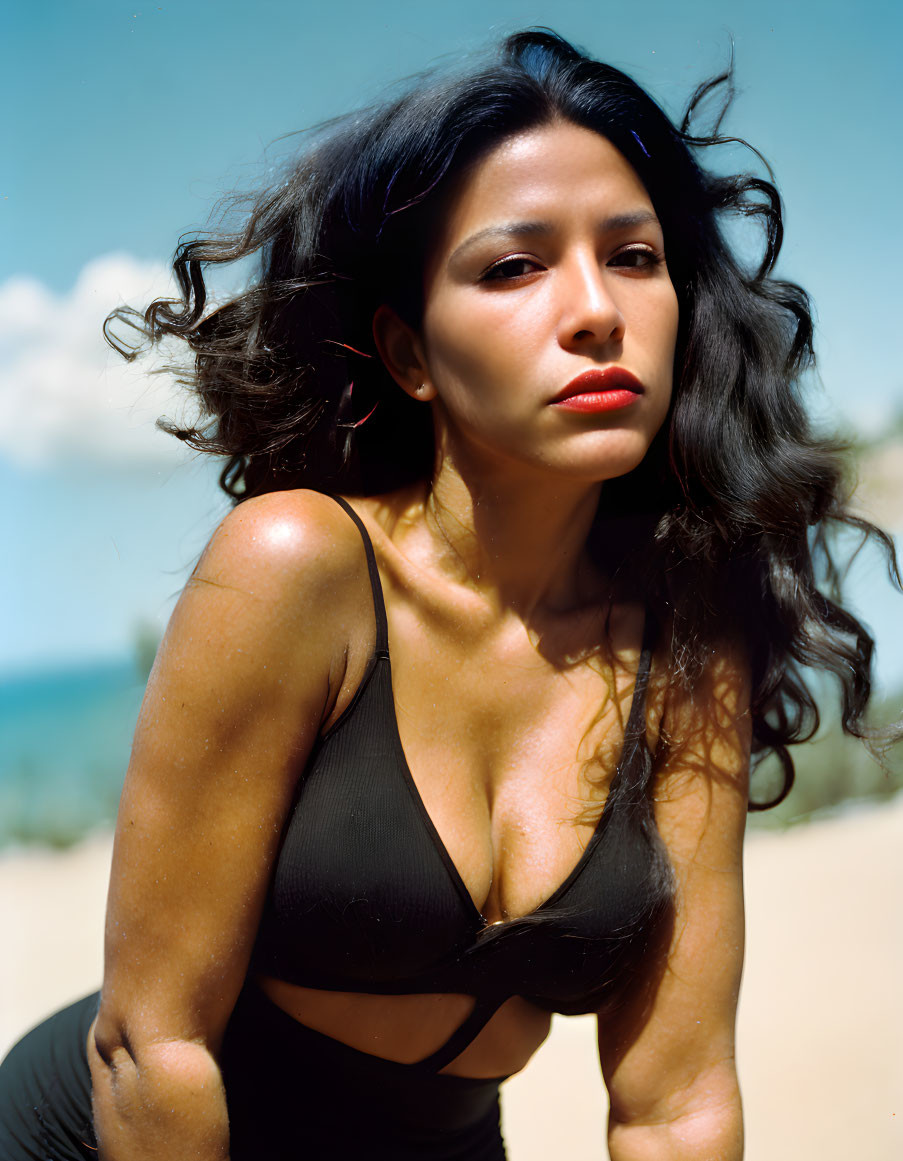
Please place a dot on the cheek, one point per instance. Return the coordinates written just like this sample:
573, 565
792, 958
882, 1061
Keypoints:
661, 331
673, 313
675, 322
475, 348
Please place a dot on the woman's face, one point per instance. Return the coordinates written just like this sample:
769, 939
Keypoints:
550, 265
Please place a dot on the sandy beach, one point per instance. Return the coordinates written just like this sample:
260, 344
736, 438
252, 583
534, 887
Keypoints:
821, 1017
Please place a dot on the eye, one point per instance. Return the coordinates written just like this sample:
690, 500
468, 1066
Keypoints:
636, 258
509, 268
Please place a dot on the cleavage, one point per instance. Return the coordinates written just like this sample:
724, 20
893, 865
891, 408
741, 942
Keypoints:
502, 783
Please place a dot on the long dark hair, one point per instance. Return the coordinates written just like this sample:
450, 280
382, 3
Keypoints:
729, 521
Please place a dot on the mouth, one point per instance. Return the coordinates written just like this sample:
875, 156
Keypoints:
606, 389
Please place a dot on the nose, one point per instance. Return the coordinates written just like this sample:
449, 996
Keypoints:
589, 313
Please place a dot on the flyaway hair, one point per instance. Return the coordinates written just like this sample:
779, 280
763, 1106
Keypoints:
728, 528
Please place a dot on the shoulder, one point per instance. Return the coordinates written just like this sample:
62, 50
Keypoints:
283, 544
275, 604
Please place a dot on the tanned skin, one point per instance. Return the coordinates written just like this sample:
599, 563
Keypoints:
512, 676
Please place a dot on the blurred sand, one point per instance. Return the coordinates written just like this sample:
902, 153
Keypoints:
879, 493
821, 1016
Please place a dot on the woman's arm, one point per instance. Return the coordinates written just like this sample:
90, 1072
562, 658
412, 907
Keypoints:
668, 1056
246, 674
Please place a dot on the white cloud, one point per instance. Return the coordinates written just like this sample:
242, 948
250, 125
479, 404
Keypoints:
64, 394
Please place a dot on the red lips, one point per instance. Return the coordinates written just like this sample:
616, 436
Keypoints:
605, 389
605, 379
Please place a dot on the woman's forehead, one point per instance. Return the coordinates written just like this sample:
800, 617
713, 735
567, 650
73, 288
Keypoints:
553, 169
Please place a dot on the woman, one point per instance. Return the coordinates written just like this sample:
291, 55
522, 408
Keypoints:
504, 412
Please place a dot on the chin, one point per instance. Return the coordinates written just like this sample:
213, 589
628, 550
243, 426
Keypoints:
612, 463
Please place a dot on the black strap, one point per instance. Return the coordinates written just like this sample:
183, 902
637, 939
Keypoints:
462, 1037
379, 604
634, 769
636, 719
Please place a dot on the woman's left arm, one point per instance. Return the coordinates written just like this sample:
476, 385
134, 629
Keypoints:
668, 1055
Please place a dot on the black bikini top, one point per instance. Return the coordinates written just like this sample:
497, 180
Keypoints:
365, 897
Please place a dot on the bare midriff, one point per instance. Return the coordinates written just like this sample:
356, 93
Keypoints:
410, 1028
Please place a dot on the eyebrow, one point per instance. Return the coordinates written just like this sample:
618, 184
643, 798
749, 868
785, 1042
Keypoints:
544, 229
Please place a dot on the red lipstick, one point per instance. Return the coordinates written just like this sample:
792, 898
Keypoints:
606, 389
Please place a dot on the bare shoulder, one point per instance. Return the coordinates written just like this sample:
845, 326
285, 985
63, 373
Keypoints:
258, 642
268, 618
286, 546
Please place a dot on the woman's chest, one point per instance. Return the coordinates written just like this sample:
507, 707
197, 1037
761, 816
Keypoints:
439, 803
509, 745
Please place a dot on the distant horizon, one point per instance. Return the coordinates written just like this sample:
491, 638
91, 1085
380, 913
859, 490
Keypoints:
48, 669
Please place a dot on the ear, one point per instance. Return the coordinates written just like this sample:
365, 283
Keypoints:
401, 350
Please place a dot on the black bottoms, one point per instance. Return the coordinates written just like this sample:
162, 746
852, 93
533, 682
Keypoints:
45, 1091
293, 1095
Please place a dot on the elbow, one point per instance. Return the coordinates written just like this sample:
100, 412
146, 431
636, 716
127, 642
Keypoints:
119, 1048
107, 1040
704, 1134
702, 1122
140, 1081
157, 1099
110, 1056
114, 1084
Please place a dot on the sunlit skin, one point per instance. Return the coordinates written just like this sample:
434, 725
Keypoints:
550, 263
510, 674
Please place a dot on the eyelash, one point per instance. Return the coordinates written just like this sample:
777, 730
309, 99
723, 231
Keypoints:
495, 273
652, 257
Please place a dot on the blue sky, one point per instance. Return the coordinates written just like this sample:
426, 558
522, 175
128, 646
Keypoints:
131, 119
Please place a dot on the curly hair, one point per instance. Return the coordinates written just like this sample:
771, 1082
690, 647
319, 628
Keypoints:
729, 523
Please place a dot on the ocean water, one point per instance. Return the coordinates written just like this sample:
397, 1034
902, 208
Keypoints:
65, 738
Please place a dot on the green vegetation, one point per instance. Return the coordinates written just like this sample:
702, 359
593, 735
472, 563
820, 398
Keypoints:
831, 769
59, 812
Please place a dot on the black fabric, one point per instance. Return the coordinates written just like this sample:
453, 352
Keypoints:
365, 897
339, 1103
293, 1095
45, 1090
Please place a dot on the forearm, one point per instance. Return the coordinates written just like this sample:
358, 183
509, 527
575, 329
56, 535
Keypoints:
702, 1134
166, 1101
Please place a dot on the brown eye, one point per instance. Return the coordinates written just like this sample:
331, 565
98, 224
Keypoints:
509, 268
635, 258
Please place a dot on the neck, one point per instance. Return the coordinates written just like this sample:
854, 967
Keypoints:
518, 540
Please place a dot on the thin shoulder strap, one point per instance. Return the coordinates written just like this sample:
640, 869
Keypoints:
379, 604
636, 719
634, 769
